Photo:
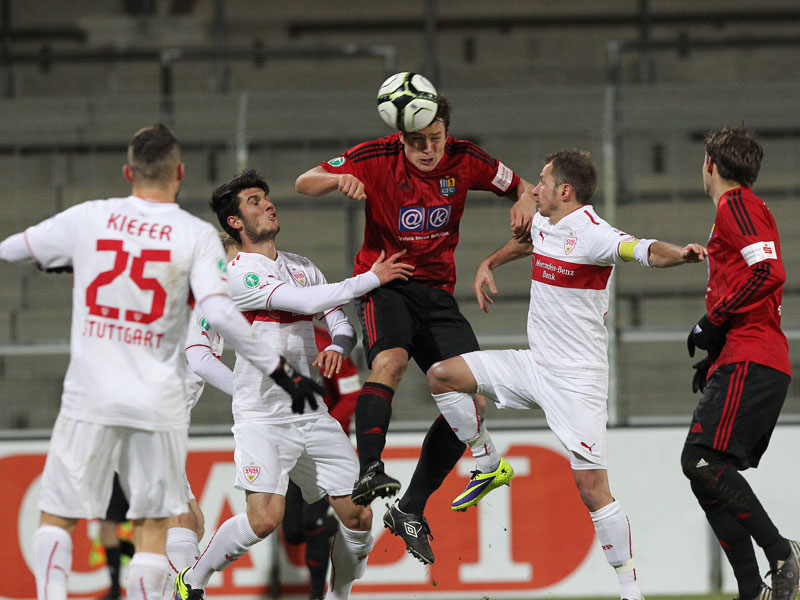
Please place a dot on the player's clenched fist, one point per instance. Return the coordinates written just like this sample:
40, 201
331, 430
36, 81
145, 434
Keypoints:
352, 187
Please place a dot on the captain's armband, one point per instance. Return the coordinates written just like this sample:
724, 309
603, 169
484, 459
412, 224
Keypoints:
638, 250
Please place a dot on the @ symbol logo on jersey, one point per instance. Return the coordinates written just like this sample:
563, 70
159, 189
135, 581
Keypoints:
438, 217
337, 162
412, 218
251, 280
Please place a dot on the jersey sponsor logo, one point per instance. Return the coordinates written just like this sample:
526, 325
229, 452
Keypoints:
560, 273
503, 177
412, 218
252, 280
447, 186
404, 186
588, 447
417, 218
299, 277
438, 217
251, 472
755, 253
569, 244
337, 162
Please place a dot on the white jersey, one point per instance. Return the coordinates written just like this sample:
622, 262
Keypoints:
254, 278
137, 264
200, 334
573, 262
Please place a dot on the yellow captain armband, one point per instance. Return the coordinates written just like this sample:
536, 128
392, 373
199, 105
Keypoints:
626, 250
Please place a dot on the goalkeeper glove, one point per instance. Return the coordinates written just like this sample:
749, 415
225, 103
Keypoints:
700, 375
707, 336
297, 385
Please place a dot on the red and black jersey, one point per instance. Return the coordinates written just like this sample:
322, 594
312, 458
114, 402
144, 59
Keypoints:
341, 390
745, 282
407, 209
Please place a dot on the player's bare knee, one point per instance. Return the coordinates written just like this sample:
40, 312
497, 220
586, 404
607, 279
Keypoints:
437, 378
389, 367
263, 524
357, 518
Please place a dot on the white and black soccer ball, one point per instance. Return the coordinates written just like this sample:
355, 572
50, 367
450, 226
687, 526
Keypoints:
407, 101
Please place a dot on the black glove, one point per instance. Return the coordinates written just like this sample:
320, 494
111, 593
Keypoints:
700, 375
707, 336
64, 269
298, 386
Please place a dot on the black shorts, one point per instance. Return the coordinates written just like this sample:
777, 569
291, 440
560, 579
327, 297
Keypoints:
738, 411
118, 505
422, 320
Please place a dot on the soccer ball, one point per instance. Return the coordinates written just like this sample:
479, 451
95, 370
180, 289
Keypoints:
407, 101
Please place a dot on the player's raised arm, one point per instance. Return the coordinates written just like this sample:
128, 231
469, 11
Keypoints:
521, 213
317, 182
512, 250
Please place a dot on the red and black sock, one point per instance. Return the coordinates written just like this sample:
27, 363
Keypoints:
373, 413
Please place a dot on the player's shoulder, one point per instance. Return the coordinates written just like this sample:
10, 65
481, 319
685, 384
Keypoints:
244, 261
587, 220
467, 150
385, 147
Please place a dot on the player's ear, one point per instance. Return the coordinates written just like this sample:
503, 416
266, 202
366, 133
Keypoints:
181, 171
566, 191
127, 172
234, 222
709, 164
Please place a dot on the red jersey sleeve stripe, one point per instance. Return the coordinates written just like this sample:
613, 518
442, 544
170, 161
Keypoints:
372, 149
739, 211
474, 151
723, 310
376, 154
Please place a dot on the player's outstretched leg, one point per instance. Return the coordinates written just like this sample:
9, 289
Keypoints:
413, 530
446, 379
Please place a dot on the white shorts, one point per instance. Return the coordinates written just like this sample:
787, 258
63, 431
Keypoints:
314, 453
187, 489
575, 407
83, 456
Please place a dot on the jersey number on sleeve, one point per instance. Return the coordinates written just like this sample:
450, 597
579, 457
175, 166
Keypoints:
136, 274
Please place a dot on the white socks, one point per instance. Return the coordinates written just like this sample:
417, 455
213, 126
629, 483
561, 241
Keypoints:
182, 548
147, 576
52, 561
614, 534
464, 416
233, 538
349, 552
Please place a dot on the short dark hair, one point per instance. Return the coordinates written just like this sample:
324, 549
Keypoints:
736, 152
576, 168
225, 201
154, 153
